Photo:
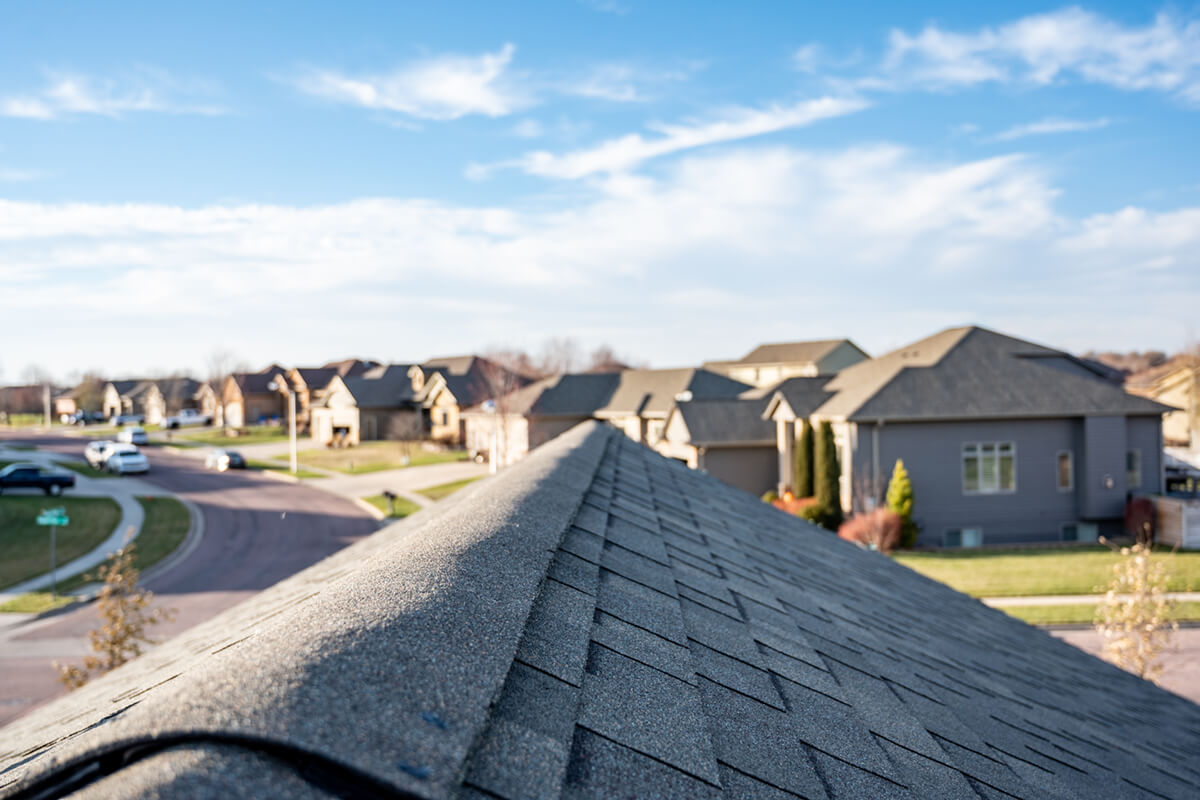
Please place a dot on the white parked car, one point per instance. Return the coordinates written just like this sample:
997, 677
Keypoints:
126, 459
134, 435
97, 453
186, 418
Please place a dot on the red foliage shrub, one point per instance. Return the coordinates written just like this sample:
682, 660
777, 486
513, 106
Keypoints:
793, 505
879, 529
1140, 519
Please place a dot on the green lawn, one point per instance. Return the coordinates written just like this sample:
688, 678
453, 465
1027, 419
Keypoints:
401, 507
25, 545
1085, 613
86, 470
1038, 571
163, 531
445, 489
284, 467
255, 434
25, 420
376, 456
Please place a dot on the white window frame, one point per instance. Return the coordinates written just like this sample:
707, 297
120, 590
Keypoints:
960, 530
980, 489
1070, 454
1130, 483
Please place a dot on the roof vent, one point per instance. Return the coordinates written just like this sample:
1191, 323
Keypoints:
683, 396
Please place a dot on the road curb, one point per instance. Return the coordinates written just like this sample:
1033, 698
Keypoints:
365, 506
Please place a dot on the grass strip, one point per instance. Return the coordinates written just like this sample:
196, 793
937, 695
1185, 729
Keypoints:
1085, 613
446, 489
25, 545
400, 507
1039, 570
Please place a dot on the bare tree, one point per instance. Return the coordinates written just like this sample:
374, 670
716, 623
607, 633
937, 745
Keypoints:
221, 364
559, 355
605, 359
1134, 620
36, 375
500, 382
409, 430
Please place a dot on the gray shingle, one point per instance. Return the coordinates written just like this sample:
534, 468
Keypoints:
519, 640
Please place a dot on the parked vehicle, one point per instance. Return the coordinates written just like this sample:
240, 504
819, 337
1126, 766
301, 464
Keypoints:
125, 461
34, 476
97, 453
187, 418
221, 460
128, 419
134, 435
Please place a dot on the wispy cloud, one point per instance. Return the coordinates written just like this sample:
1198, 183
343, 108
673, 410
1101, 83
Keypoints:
627, 83
443, 87
807, 58
1050, 125
67, 95
1041, 49
627, 152
9, 175
976, 229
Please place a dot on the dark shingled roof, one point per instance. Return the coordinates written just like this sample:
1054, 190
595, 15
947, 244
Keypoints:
571, 395
651, 392
599, 621
971, 372
717, 422
385, 386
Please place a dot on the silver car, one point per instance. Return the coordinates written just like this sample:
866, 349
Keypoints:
127, 460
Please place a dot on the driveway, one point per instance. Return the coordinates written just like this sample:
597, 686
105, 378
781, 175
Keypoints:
1181, 673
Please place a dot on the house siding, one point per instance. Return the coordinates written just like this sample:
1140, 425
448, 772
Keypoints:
1102, 479
543, 429
751, 469
1035, 511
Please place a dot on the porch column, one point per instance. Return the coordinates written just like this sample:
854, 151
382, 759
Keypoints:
785, 442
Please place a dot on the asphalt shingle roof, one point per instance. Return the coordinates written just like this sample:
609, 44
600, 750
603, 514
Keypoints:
652, 392
385, 386
599, 621
972, 372
715, 422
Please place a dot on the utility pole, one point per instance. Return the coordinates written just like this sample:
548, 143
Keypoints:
46, 403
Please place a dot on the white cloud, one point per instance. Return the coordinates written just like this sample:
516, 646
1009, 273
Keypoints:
444, 87
627, 83
885, 245
71, 94
806, 58
1050, 125
1163, 55
9, 175
528, 129
627, 152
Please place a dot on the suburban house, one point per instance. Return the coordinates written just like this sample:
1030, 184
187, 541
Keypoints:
508, 427
1175, 383
768, 364
28, 399
156, 398
1004, 440
727, 438
643, 397
405, 401
310, 384
379, 403
248, 399
448, 385
600, 622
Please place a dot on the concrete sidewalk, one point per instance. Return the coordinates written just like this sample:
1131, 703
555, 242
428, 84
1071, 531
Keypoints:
123, 490
1071, 599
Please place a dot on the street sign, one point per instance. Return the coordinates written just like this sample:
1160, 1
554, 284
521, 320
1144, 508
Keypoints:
55, 516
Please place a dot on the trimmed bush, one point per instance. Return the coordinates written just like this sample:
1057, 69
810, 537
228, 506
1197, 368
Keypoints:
878, 529
770, 496
827, 474
803, 479
900, 500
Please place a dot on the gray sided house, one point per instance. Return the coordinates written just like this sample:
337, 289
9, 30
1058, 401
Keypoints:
768, 364
643, 398
512, 425
1004, 440
601, 622
728, 439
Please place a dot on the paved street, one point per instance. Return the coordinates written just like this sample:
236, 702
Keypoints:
1181, 674
258, 530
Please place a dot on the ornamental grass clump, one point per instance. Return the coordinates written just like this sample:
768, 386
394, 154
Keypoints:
121, 636
1134, 620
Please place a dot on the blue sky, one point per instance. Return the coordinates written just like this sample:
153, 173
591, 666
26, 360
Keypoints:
301, 182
